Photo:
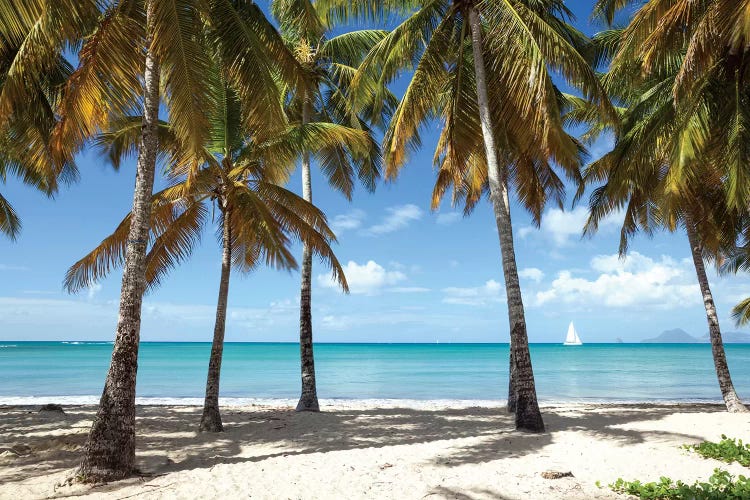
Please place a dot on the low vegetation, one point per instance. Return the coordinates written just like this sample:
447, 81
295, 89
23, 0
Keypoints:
727, 450
721, 485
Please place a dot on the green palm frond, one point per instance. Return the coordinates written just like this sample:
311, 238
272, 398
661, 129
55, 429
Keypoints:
34, 34
299, 19
350, 48
741, 312
110, 253
185, 60
123, 138
175, 241
367, 10
10, 224
107, 80
606, 9
420, 101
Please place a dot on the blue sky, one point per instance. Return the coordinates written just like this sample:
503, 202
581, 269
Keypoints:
415, 275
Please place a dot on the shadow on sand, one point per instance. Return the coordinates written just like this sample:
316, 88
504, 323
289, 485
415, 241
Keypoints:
167, 440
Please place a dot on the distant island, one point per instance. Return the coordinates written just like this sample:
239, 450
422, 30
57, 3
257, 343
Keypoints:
680, 336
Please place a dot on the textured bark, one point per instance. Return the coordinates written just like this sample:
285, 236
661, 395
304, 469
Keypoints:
109, 452
527, 412
211, 419
732, 401
512, 398
511, 392
308, 400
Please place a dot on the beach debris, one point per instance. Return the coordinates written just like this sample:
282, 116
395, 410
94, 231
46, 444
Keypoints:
386, 466
554, 474
51, 407
15, 451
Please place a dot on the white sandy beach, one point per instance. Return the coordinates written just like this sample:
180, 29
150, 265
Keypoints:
364, 450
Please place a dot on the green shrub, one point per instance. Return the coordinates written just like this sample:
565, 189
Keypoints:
726, 450
720, 486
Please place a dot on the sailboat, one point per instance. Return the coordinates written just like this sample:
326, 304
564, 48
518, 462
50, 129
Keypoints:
572, 338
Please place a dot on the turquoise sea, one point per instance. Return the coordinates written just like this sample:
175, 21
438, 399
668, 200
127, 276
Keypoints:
74, 371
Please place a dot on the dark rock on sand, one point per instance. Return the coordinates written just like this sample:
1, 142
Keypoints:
554, 474
51, 407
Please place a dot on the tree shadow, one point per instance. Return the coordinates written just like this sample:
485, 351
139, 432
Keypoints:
167, 441
596, 421
473, 494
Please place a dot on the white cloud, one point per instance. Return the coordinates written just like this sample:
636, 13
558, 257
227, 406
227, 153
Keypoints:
366, 278
80, 319
448, 218
93, 290
491, 292
601, 146
635, 281
347, 222
5, 267
397, 217
524, 231
532, 273
566, 227
409, 289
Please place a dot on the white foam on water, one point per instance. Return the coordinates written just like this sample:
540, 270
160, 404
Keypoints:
77, 342
421, 404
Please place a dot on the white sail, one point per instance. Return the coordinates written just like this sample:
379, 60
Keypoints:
572, 337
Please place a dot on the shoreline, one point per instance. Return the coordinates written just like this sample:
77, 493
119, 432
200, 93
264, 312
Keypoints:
245, 402
372, 451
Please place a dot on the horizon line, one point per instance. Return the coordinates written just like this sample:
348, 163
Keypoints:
352, 342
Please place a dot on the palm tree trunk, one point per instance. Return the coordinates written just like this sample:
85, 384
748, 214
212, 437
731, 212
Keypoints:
511, 407
110, 449
211, 419
308, 400
511, 359
731, 399
528, 416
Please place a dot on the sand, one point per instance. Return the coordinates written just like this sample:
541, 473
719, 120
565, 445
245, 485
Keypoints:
352, 451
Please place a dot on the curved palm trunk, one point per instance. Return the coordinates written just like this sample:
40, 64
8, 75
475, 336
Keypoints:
731, 399
109, 452
211, 419
528, 416
308, 400
511, 359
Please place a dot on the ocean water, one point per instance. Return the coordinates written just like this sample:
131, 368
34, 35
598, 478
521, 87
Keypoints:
74, 371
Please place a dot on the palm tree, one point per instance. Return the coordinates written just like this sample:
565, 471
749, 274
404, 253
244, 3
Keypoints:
129, 52
242, 177
666, 169
328, 65
705, 43
484, 70
741, 312
738, 260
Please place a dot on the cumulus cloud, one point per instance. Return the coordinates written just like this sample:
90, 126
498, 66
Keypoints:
531, 273
369, 278
447, 218
565, 227
347, 222
489, 293
396, 218
93, 290
637, 280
